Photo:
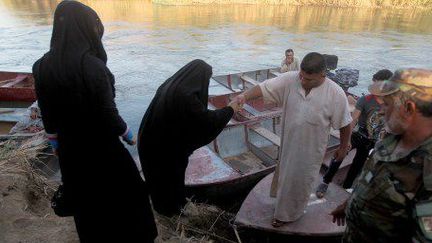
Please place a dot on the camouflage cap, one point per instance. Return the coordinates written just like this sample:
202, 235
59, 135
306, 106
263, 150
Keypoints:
414, 82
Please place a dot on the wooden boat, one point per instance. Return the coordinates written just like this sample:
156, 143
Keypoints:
247, 149
241, 81
8, 118
239, 156
17, 87
256, 214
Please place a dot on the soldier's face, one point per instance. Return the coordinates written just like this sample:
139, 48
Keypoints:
395, 122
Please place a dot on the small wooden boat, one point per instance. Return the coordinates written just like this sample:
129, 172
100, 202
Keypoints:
8, 118
241, 81
256, 214
17, 87
240, 156
247, 149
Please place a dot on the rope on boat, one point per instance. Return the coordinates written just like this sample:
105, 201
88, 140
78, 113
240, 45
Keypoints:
234, 226
236, 233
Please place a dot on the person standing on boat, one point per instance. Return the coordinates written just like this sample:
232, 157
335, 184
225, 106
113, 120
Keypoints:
176, 123
103, 189
289, 63
392, 199
311, 105
370, 123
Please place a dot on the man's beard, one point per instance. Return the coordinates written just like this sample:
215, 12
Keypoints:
395, 124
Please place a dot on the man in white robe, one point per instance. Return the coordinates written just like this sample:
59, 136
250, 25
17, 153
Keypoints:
311, 105
289, 63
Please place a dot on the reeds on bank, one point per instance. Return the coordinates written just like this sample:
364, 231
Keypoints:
335, 3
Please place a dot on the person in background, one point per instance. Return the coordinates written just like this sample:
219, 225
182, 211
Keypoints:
392, 198
31, 122
101, 183
289, 63
311, 104
370, 123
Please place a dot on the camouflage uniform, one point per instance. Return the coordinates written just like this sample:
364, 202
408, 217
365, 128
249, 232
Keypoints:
382, 206
392, 200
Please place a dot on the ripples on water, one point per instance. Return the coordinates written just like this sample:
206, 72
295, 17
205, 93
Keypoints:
147, 43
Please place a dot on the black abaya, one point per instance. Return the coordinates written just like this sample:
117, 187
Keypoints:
75, 90
176, 123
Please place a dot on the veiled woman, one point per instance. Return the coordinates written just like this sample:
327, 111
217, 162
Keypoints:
176, 123
75, 90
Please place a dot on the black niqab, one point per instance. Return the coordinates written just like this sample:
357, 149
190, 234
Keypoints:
77, 31
76, 97
76, 50
176, 123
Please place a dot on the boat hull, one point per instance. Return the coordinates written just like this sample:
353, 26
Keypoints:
17, 87
257, 210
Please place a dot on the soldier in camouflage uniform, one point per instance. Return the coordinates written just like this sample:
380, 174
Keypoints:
392, 200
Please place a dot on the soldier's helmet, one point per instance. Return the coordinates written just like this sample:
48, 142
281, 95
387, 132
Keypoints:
416, 83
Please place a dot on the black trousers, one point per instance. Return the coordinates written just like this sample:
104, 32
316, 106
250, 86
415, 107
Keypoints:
363, 146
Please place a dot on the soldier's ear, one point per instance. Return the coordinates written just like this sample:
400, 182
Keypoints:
410, 107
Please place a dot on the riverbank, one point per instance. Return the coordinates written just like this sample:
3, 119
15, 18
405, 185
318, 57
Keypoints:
401, 4
26, 215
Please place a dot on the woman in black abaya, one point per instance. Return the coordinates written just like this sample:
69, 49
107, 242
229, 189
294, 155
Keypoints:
75, 89
176, 123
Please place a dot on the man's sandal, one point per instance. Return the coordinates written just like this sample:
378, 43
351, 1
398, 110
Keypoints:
321, 190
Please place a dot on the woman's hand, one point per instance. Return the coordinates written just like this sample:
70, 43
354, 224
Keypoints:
52, 139
240, 99
129, 138
235, 105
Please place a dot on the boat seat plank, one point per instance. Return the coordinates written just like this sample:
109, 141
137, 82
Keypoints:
269, 135
249, 80
276, 73
251, 110
268, 155
333, 142
12, 116
6, 81
16, 81
335, 133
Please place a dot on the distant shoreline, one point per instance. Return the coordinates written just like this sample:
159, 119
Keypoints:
394, 4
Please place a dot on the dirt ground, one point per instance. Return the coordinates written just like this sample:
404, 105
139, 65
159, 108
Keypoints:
26, 215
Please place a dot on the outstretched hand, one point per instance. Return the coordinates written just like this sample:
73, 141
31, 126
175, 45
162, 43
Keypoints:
241, 99
129, 138
131, 141
339, 214
235, 105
